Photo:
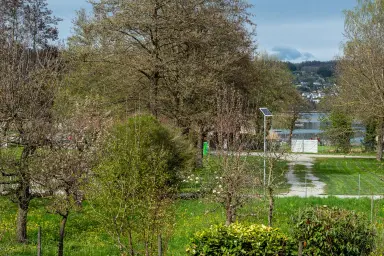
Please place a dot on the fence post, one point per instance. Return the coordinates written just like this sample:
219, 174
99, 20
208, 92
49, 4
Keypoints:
300, 252
39, 242
160, 245
359, 185
306, 189
372, 205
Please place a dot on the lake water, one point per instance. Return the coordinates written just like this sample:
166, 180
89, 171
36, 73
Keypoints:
308, 127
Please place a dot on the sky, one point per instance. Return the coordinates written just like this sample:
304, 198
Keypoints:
294, 30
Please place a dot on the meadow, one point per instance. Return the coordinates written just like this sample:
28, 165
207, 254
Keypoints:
86, 236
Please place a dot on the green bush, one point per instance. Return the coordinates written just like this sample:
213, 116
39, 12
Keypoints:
238, 239
133, 186
333, 231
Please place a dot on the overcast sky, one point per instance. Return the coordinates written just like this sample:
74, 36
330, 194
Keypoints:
293, 29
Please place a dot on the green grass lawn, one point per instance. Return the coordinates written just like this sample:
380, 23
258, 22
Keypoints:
355, 150
342, 176
83, 233
85, 236
201, 178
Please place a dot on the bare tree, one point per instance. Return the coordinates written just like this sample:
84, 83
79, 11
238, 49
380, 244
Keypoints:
63, 173
234, 177
29, 82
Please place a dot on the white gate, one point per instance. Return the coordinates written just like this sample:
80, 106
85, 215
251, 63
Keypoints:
304, 146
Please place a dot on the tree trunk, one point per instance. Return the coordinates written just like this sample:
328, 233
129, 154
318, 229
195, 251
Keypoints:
132, 251
24, 196
39, 242
62, 235
22, 221
380, 137
271, 206
160, 245
229, 211
229, 216
292, 127
199, 156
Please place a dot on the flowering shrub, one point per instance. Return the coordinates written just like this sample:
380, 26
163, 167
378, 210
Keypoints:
333, 231
238, 239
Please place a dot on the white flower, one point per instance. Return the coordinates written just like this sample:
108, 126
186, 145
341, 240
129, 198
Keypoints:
221, 178
197, 178
197, 181
218, 192
184, 181
220, 186
214, 191
217, 177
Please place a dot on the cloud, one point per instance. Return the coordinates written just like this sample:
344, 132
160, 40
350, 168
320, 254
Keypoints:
291, 54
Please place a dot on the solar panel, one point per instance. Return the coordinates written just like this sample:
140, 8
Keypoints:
265, 112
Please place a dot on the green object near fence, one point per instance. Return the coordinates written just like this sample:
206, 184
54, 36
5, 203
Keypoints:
205, 148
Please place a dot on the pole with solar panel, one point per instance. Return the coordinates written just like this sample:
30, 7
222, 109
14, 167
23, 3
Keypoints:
266, 113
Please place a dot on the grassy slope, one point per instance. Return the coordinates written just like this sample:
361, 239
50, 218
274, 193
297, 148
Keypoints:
342, 176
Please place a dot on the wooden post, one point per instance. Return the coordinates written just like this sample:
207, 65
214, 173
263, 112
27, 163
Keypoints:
160, 245
300, 252
372, 208
359, 184
39, 242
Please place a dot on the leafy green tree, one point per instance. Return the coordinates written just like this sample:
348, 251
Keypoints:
39, 24
29, 23
168, 59
269, 85
338, 128
134, 186
361, 80
325, 72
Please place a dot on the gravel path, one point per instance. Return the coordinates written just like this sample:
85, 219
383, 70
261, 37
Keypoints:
314, 186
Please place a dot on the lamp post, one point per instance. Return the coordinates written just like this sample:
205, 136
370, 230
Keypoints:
266, 113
